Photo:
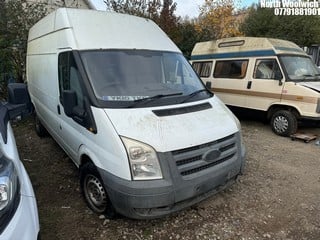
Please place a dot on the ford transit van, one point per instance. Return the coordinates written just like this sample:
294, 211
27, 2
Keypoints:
119, 97
270, 75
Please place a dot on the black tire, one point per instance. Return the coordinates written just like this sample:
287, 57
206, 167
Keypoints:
94, 192
40, 129
284, 123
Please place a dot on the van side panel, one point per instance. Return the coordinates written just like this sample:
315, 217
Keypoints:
43, 90
42, 75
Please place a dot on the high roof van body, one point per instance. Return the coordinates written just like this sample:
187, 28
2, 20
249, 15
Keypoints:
270, 75
119, 97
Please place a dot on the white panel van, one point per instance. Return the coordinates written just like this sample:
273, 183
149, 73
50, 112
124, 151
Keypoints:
270, 75
119, 97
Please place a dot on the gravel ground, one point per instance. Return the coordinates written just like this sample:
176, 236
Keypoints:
278, 197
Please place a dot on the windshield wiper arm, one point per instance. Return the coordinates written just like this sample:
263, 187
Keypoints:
191, 95
148, 99
308, 76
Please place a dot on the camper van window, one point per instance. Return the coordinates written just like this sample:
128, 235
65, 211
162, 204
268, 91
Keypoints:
202, 68
230, 69
130, 75
300, 68
69, 77
267, 69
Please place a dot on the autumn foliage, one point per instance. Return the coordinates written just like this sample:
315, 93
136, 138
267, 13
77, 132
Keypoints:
219, 19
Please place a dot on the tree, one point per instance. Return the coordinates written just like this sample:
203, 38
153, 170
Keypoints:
142, 8
16, 17
261, 22
168, 21
218, 19
161, 12
188, 36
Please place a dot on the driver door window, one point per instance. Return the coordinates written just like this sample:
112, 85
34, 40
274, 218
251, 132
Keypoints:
69, 77
267, 69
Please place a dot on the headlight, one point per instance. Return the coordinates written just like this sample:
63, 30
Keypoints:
143, 160
9, 191
8, 182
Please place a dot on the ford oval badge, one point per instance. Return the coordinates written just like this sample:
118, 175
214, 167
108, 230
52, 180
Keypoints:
212, 155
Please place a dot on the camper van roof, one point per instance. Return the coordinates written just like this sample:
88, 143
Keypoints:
90, 29
244, 47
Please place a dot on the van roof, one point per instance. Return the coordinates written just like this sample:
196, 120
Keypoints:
244, 47
91, 29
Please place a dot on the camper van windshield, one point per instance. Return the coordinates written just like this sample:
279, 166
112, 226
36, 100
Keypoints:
133, 76
300, 68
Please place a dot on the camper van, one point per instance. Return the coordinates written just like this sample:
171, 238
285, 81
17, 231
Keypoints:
270, 75
121, 100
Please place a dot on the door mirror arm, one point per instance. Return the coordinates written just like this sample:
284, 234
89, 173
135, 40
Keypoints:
208, 85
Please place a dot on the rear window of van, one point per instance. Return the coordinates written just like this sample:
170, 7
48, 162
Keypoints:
202, 68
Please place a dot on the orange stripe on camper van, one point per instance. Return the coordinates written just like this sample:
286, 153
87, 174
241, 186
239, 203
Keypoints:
287, 97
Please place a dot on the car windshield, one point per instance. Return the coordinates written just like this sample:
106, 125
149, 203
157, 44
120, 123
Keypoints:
300, 68
137, 75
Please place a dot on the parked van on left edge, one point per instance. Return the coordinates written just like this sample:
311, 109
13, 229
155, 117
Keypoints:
18, 208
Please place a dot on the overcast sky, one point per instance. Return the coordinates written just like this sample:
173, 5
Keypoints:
191, 7
184, 7
188, 7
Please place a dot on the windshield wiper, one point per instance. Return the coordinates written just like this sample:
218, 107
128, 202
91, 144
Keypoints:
308, 77
148, 99
191, 95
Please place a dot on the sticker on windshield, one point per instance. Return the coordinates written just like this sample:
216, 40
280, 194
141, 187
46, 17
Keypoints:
122, 98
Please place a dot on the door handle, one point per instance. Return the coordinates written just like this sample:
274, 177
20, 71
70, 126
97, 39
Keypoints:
249, 85
58, 109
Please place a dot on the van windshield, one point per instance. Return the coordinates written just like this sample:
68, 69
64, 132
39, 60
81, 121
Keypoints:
142, 76
300, 68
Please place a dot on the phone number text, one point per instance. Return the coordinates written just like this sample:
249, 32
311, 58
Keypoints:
296, 11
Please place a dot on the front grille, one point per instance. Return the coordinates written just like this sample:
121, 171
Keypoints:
193, 160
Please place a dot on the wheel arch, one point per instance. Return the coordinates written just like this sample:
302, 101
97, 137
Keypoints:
277, 107
85, 155
85, 159
108, 210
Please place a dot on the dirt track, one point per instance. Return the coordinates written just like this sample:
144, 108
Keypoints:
278, 197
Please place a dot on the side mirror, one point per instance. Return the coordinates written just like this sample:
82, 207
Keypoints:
208, 85
19, 102
81, 115
69, 102
278, 76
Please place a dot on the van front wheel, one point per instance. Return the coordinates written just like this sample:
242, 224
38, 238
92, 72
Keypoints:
94, 192
284, 123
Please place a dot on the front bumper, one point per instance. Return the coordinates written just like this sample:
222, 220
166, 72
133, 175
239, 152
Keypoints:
23, 225
187, 180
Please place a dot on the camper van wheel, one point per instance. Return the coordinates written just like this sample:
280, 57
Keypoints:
40, 129
94, 192
284, 123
